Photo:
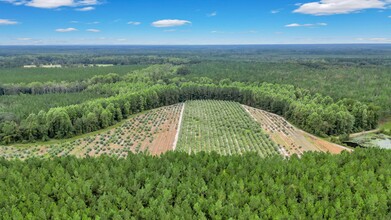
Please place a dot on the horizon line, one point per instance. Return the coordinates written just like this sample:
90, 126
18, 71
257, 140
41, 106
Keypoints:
271, 44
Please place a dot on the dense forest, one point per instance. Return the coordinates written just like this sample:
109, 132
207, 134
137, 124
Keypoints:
199, 186
161, 85
327, 90
359, 72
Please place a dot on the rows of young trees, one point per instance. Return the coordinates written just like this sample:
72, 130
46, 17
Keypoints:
199, 186
224, 127
316, 114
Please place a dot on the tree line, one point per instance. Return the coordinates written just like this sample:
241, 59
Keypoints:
37, 88
314, 113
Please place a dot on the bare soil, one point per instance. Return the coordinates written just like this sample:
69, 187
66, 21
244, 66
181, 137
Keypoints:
290, 139
153, 132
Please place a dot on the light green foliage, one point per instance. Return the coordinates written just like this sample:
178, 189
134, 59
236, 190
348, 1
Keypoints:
224, 127
181, 186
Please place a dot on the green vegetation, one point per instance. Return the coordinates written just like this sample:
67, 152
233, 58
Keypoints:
199, 186
140, 133
369, 84
386, 127
325, 90
28, 75
223, 127
158, 86
21, 106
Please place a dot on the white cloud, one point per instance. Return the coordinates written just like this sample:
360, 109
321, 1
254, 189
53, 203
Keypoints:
330, 7
305, 25
8, 22
170, 30
212, 14
50, 4
94, 22
85, 9
23, 39
93, 30
170, 23
134, 22
63, 30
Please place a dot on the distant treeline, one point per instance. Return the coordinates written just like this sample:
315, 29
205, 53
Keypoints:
80, 59
36, 88
314, 113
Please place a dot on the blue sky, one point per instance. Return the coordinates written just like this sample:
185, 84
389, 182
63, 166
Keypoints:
54, 22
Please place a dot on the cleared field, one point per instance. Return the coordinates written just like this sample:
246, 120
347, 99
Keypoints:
205, 125
152, 132
223, 127
289, 139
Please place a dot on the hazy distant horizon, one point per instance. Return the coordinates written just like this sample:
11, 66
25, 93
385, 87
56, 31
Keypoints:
191, 22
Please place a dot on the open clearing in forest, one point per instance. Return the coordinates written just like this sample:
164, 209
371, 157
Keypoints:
290, 139
153, 131
223, 127
204, 125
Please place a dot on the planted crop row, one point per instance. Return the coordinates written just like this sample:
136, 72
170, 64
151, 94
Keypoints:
224, 127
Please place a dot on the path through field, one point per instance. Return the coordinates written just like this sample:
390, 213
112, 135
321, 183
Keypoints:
179, 127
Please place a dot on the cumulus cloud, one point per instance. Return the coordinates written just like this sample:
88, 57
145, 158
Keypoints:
170, 23
134, 22
305, 25
8, 22
89, 8
50, 4
330, 7
63, 30
93, 30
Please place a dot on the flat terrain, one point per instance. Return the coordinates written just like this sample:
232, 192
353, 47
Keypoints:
223, 127
290, 139
204, 125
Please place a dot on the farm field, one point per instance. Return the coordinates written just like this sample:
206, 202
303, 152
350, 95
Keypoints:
223, 127
153, 132
290, 139
205, 125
